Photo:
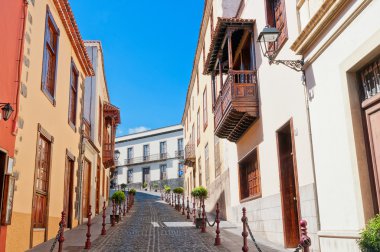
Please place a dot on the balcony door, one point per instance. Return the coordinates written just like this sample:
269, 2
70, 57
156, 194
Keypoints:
86, 188
146, 175
289, 185
163, 150
370, 85
146, 152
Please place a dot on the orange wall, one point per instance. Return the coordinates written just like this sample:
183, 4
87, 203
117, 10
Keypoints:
12, 21
11, 42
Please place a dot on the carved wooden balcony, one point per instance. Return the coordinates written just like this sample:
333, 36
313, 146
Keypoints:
190, 154
237, 106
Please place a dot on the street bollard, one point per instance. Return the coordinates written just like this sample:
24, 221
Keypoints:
305, 240
120, 211
88, 240
217, 220
183, 204
124, 212
194, 212
203, 218
62, 225
113, 213
104, 219
127, 203
244, 233
188, 209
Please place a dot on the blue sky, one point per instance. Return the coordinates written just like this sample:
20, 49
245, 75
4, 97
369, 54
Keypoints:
148, 48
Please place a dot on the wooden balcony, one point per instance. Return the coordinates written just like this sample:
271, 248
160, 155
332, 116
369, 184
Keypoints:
237, 106
190, 154
108, 155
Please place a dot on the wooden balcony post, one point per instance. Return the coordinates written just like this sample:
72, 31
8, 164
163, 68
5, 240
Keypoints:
229, 37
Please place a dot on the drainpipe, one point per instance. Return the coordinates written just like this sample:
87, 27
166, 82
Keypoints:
304, 83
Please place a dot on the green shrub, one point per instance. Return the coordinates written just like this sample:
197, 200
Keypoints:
167, 188
123, 186
370, 237
132, 191
155, 186
199, 192
145, 185
178, 190
118, 196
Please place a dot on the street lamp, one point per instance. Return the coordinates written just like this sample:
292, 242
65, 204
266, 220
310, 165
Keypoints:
6, 110
270, 35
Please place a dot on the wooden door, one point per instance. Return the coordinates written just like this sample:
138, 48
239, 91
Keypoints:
86, 188
288, 184
97, 187
68, 191
373, 126
3, 159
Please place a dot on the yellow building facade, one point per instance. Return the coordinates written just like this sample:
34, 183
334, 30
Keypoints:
47, 154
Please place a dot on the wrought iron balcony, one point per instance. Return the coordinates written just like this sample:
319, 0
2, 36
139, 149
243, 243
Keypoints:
179, 154
190, 154
237, 106
146, 159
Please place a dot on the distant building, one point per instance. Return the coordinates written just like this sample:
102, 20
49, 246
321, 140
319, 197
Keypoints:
153, 157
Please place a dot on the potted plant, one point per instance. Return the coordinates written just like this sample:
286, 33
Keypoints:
179, 191
145, 185
118, 197
370, 237
155, 187
123, 186
132, 191
199, 193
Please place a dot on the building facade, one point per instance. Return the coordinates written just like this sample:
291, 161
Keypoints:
100, 119
259, 109
13, 19
53, 142
154, 157
343, 89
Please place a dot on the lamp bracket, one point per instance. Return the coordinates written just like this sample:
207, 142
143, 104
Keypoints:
293, 64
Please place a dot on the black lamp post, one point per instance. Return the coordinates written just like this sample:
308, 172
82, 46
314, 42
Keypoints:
6, 110
270, 35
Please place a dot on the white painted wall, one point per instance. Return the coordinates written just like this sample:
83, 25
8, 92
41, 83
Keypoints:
153, 138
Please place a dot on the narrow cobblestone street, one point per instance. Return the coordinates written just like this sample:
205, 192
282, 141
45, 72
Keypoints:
152, 225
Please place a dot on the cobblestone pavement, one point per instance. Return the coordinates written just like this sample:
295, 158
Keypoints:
153, 225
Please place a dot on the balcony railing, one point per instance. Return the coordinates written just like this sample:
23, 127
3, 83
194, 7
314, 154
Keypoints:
189, 154
180, 154
145, 159
237, 105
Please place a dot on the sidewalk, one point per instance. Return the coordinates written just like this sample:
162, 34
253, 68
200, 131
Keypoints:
75, 238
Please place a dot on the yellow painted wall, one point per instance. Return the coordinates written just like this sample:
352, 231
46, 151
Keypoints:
35, 109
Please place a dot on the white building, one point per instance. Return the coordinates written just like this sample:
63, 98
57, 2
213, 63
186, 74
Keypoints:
153, 156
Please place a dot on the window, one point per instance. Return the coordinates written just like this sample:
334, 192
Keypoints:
207, 167
180, 147
197, 81
163, 150
100, 121
276, 17
180, 170
130, 176
49, 64
198, 127
130, 155
73, 95
41, 182
249, 176
146, 152
370, 79
163, 174
205, 115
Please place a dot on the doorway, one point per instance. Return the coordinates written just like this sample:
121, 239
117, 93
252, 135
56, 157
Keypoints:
3, 165
97, 186
288, 185
68, 191
146, 175
86, 188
